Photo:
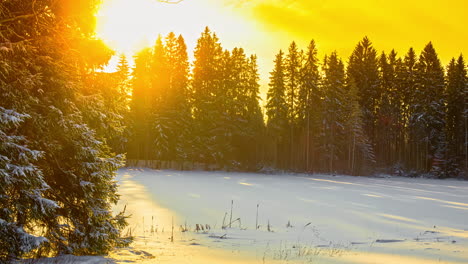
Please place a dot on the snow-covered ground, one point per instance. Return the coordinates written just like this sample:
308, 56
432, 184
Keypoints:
312, 219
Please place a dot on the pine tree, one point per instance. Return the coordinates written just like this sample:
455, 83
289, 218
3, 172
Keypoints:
140, 107
21, 189
123, 69
207, 104
456, 89
360, 150
161, 122
292, 67
334, 112
276, 109
254, 141
236, 102
104, 104
429, 112
120, 102
406, 83
44, 68
363, 69
172, 116
179, 84
159, 68
309, 105
388, 110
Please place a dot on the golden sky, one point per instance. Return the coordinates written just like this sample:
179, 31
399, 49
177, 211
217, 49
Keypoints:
265, 26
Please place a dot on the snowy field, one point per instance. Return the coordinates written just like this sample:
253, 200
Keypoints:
312, 219
301, 219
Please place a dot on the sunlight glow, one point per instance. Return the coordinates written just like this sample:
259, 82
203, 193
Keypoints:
129, 25
126, 25
262, 27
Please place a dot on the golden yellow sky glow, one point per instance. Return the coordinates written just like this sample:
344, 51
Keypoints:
265, 26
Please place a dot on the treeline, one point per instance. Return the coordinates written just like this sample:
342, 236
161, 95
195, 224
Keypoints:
210, 114
376, 112
58, 118
379, 112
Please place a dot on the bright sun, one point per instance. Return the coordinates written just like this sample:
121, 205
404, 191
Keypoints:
126, 25
129, 25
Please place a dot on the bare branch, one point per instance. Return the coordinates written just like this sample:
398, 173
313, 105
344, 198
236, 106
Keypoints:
7, 20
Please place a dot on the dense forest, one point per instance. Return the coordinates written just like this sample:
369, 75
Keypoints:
375, 113
66, 125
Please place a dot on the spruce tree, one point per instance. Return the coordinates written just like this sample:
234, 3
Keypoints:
456, 89
123, 69
334, 113
309, 106
140, 107
207, 106
276, 110
160, 121
254, 141
293, 64
236, 87
22, 188
179, 83
429, 112
360, 151
62, 160
104, 103
406, 76
363, 69
388, 110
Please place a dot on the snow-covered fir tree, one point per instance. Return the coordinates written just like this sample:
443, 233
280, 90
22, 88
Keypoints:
58, 170
22, 188
361, 157
428, 117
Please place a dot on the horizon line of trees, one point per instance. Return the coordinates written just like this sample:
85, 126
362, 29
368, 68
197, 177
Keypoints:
376, 112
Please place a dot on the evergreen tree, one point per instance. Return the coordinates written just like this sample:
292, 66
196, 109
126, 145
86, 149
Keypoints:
236, 101
363, 69
140, 107
160, 106
406, 83
121, 102
21, 189
388, 112
360, 151
179, 83
456, 89
60, 160
254, 141
207, 106
309, 106
123, 69
429, 112
104, 103
276, 109
292, 73
292, 67
334, 112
